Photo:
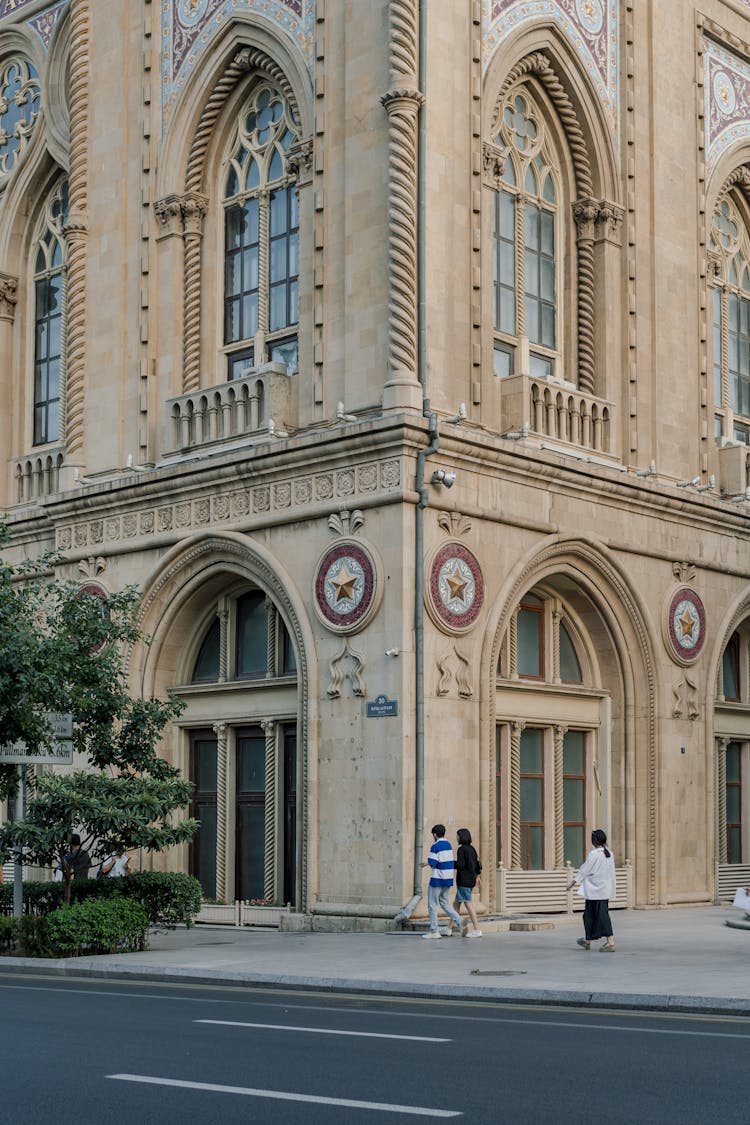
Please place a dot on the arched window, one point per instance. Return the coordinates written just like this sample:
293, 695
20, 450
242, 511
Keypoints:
19, 109
527, 244
49, 316
261, 236
729, 249
732, 730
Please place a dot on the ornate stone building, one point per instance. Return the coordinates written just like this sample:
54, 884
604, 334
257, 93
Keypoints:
400, 353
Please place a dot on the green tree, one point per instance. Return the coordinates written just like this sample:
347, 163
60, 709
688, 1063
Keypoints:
61, 649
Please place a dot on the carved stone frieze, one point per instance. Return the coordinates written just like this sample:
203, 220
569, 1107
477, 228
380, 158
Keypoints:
282, 496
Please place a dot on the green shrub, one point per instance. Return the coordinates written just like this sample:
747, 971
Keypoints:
95, 926
32, 937
8, 933
169, 897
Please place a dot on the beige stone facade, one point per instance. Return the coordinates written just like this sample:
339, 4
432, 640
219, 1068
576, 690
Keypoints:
265, 270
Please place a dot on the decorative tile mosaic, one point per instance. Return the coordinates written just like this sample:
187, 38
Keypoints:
188, 26
46, 22
12, 7
591, 27
726, 93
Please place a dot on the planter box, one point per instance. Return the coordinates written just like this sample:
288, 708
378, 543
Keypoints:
261, 915
216, 914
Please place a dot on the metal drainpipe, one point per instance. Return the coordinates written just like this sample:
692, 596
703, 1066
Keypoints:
421, 487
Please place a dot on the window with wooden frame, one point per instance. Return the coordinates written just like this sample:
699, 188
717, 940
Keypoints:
532, 799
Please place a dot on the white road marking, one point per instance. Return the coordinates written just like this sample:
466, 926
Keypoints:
326, 1031
278, 1095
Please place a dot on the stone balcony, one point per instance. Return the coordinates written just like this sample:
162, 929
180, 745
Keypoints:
38, 475
230, 412
559, 412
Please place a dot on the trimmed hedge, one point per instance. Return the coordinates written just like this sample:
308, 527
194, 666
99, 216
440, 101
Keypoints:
97, 926
168, 897
8, 933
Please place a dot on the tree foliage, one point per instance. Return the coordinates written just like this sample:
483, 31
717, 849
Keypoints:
61, 650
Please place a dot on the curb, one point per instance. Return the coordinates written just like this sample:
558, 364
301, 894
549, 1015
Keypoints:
531, 997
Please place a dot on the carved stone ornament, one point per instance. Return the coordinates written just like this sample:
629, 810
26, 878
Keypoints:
339, 672
684, 625
299, 161
347, 586
493, 164
345, 522
686, 699
455, 588
462, 673
454, 523
8, 296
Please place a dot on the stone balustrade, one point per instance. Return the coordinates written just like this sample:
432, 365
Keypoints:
230, 411
559, 412
38, 475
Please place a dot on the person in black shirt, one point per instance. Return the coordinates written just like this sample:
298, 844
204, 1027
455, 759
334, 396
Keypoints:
468, 876
77, 861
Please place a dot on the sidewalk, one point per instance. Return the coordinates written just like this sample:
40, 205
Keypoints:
684, 959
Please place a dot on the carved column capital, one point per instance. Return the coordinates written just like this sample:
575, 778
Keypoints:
586, 213
402, 98
493, 164
598, 219
8, 296
299, 161
168, 213
194, 207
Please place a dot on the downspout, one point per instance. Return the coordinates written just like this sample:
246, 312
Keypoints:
421, 487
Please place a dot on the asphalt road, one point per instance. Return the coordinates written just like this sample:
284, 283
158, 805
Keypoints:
102, 1052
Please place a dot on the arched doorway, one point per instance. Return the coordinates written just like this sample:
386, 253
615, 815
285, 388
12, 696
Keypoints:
732, 748
227, 640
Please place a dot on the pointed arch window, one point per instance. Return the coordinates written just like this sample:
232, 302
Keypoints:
527, 242
729, 250
49, 317
261, 235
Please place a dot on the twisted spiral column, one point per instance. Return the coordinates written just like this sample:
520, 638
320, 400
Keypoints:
272, 639
586, 213
515, 794
520, 250
76, 226
513, 653
269, 855
194, 208
223, 616
402, 103
721, 794
221, 731
559, 735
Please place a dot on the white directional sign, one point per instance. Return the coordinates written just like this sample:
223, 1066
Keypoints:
61, 753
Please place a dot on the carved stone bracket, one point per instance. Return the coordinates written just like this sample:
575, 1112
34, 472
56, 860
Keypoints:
299, 161
454, 523
462, 673
686, 699
91, 567
684, 571
493, 164
345, 522
8, 296
339, 673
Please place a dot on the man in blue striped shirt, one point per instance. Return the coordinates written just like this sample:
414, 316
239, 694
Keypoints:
442, 866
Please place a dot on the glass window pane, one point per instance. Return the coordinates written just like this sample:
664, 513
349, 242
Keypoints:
278, 212
506, 215
250, 269
54, 294
204, 767
548, 190
529, 643
207, 663
733, 762
250, 222
231, 321
734, 312
205, 847
570, 669
532, 806
536, 848
529, 183
251, 765
540, 367
507, 265
574, 844
55, 335
232, 228
53, 420
532, 750
548, 279
548, 326
733, 804
502, 362
574, 759
232, 274
507, 311
278, 260
249, 315
532, 317
734, 845
278, 318
532, 227
251, 850
730, 665
573, 798
293, 252
285, 351
548, 233
252, 635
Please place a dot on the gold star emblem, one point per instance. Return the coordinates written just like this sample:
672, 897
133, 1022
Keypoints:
686, 624
344, 584
457, 585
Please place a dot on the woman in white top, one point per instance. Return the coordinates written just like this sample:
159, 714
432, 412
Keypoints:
596, 882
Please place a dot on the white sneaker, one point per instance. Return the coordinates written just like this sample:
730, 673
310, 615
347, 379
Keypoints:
431, 934
474, 933
446, 931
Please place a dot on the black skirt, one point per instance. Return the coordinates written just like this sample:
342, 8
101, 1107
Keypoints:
596, 923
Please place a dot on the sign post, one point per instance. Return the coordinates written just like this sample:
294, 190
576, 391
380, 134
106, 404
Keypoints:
17, 753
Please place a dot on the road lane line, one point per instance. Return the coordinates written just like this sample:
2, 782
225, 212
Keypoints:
326, 1031
278, 1095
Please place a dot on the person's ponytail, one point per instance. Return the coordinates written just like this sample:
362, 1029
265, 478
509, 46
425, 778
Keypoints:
599, 840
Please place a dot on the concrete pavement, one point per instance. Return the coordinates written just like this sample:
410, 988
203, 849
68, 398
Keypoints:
684, 958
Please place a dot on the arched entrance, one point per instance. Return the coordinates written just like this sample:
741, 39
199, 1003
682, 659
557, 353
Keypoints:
731, 720
227, 640
571, 715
